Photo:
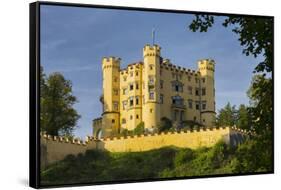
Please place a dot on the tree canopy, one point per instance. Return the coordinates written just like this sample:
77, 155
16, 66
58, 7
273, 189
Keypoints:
57, 115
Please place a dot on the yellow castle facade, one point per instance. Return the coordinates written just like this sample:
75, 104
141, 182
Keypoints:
153, 89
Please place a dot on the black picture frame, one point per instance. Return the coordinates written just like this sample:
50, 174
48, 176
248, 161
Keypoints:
34, 98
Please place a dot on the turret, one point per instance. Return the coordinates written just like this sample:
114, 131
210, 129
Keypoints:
206, 68
111, 95
151, 76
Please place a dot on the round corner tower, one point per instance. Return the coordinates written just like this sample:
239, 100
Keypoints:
207, 86
151, 76
111, 84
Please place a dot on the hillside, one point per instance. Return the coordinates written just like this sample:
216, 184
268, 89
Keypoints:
99, 166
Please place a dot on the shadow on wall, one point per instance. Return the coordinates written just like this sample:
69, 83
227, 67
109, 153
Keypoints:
54, 149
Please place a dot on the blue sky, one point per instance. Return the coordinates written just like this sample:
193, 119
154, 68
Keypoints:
74, 40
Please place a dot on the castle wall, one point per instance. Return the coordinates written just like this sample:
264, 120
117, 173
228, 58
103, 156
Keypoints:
53, 149
183, 139
56, 148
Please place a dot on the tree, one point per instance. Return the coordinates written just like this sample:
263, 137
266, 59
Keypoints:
58, 117
227, 116
256, 38
139, 129
255, 35
165, 124
243, 117
261, 110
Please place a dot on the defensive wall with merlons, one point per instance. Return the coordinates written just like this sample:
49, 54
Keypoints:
55, 148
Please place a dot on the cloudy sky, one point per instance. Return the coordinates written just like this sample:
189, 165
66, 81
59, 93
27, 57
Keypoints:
74, 40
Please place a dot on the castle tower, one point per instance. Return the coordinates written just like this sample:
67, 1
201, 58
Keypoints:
111, 96
151, 89
207, 94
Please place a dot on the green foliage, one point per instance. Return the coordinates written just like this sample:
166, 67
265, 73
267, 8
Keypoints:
97, 166
243, 118
226, 116
57, 115
139, 129
260, 93
165, 124
255, 35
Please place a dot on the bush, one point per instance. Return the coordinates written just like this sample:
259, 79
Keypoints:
165, 124
139, 129
183, 156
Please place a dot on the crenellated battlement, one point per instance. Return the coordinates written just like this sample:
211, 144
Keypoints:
169, 66
55, 148
199, 130
60, 139
151, 50
111, 59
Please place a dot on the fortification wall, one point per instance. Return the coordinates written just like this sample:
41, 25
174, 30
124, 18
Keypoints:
53, 149
182, 139
56, 148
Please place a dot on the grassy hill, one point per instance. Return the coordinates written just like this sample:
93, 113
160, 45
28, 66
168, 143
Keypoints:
101, 166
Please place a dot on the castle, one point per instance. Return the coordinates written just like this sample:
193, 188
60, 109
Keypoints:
153, 89
147, 92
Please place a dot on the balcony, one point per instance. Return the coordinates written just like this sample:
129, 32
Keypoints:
179, 105
178, 102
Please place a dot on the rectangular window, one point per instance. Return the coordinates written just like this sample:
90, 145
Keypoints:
137, 73
151, 95
131, 101
143, 99
203, 91
151, 79
115, 106
180, 88
131, 87
190, 90
197, 105
125, 79
151, 67
203, 80
197, 92
137, 116
161, 98
189, 78
137, 100
131, 74
124, 104
161, 84
204, 105
123, 121
190, 104
137, 86
125, 91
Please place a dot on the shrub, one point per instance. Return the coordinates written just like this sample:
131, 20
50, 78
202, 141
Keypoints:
165, 124
139, 129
